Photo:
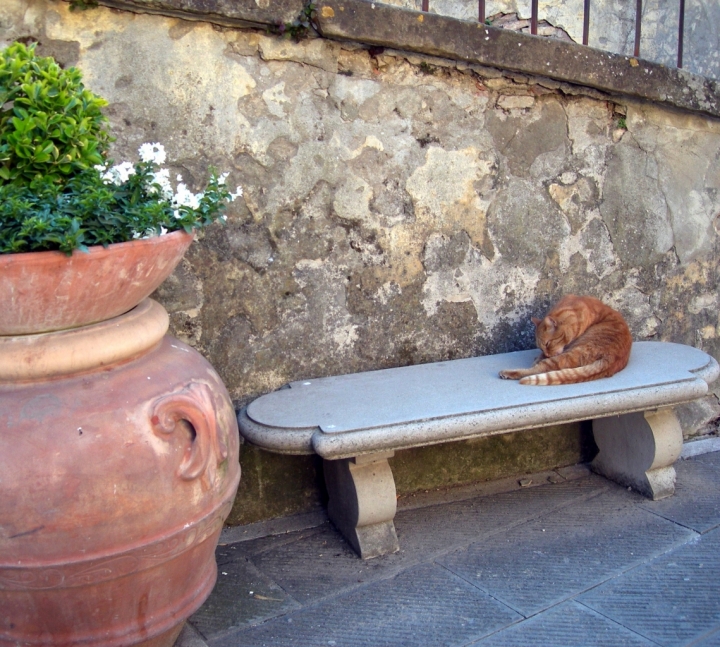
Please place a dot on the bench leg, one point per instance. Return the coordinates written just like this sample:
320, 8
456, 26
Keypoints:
639, 449
362, 502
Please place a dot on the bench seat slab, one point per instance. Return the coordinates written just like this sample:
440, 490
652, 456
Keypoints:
356, 422
412, 406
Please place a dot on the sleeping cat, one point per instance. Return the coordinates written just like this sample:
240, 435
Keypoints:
582, 339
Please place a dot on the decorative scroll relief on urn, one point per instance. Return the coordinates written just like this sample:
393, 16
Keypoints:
129, 442
194, 405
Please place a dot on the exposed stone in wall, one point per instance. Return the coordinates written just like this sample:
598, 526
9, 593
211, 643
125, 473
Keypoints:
399, 209
612, 26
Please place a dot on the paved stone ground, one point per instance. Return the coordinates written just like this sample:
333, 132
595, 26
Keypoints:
575, 561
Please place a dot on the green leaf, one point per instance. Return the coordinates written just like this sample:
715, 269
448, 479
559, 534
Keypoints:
47, 103
51, 195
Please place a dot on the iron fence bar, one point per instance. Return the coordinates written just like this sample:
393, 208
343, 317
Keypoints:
586, 21
681, 33
534, 18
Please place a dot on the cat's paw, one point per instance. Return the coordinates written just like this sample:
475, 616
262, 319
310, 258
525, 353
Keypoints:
510, 374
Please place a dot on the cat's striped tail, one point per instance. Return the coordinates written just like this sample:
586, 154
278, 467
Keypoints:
568, 375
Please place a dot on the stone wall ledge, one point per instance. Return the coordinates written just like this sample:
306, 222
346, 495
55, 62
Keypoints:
227, 13
369, 23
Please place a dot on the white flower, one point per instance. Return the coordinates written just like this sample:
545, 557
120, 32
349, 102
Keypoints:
149, 233
119, 174
222, 179
237, 194
186, 198
162, 179
152, 153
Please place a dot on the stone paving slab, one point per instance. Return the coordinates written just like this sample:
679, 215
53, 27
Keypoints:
696, 503
566, 625
441, 528
242, 596
320, 565
422, 533
317, 563
229, 552
419, 608
672, 600
712, 639
190, 637
563, 553
584, 563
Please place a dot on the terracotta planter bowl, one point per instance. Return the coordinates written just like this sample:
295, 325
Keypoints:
47, 291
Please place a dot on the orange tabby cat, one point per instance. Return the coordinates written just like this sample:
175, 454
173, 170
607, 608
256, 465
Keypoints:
582, 339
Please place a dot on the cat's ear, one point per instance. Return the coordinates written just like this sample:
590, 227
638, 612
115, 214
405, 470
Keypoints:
536, 321
553, 322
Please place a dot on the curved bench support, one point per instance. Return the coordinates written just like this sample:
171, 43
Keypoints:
639, 449
363, 502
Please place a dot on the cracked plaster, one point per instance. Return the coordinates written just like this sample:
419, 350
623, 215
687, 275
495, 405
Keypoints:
394, 213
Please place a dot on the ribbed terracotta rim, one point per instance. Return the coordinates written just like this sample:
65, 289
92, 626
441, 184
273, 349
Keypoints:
50, 291
48, 355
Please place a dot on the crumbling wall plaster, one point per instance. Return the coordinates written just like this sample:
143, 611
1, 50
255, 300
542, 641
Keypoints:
399, 209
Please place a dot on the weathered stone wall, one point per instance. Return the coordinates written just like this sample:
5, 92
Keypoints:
612, 26
399, 209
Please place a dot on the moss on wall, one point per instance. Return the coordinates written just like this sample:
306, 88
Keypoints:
494, 457
273, 485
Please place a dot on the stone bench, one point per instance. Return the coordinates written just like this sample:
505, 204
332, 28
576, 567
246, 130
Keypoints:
356, 422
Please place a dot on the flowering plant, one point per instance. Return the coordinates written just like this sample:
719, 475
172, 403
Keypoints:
58, 190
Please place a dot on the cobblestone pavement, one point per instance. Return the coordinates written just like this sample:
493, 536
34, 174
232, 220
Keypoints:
570, 559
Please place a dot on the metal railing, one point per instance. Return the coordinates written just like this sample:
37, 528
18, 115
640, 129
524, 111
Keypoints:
586, 23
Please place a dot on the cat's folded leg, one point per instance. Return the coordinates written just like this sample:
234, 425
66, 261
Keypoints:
539, 359
540, 365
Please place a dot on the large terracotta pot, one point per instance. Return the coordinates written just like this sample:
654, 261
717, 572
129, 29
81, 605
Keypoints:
118, 465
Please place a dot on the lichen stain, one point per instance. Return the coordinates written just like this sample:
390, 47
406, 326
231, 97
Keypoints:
488, 284
444, 193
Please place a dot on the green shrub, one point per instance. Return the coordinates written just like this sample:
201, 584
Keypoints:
51, 126
58, 190
93, 208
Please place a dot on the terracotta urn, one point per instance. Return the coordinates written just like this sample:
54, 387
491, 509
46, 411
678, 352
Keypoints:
118, 465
